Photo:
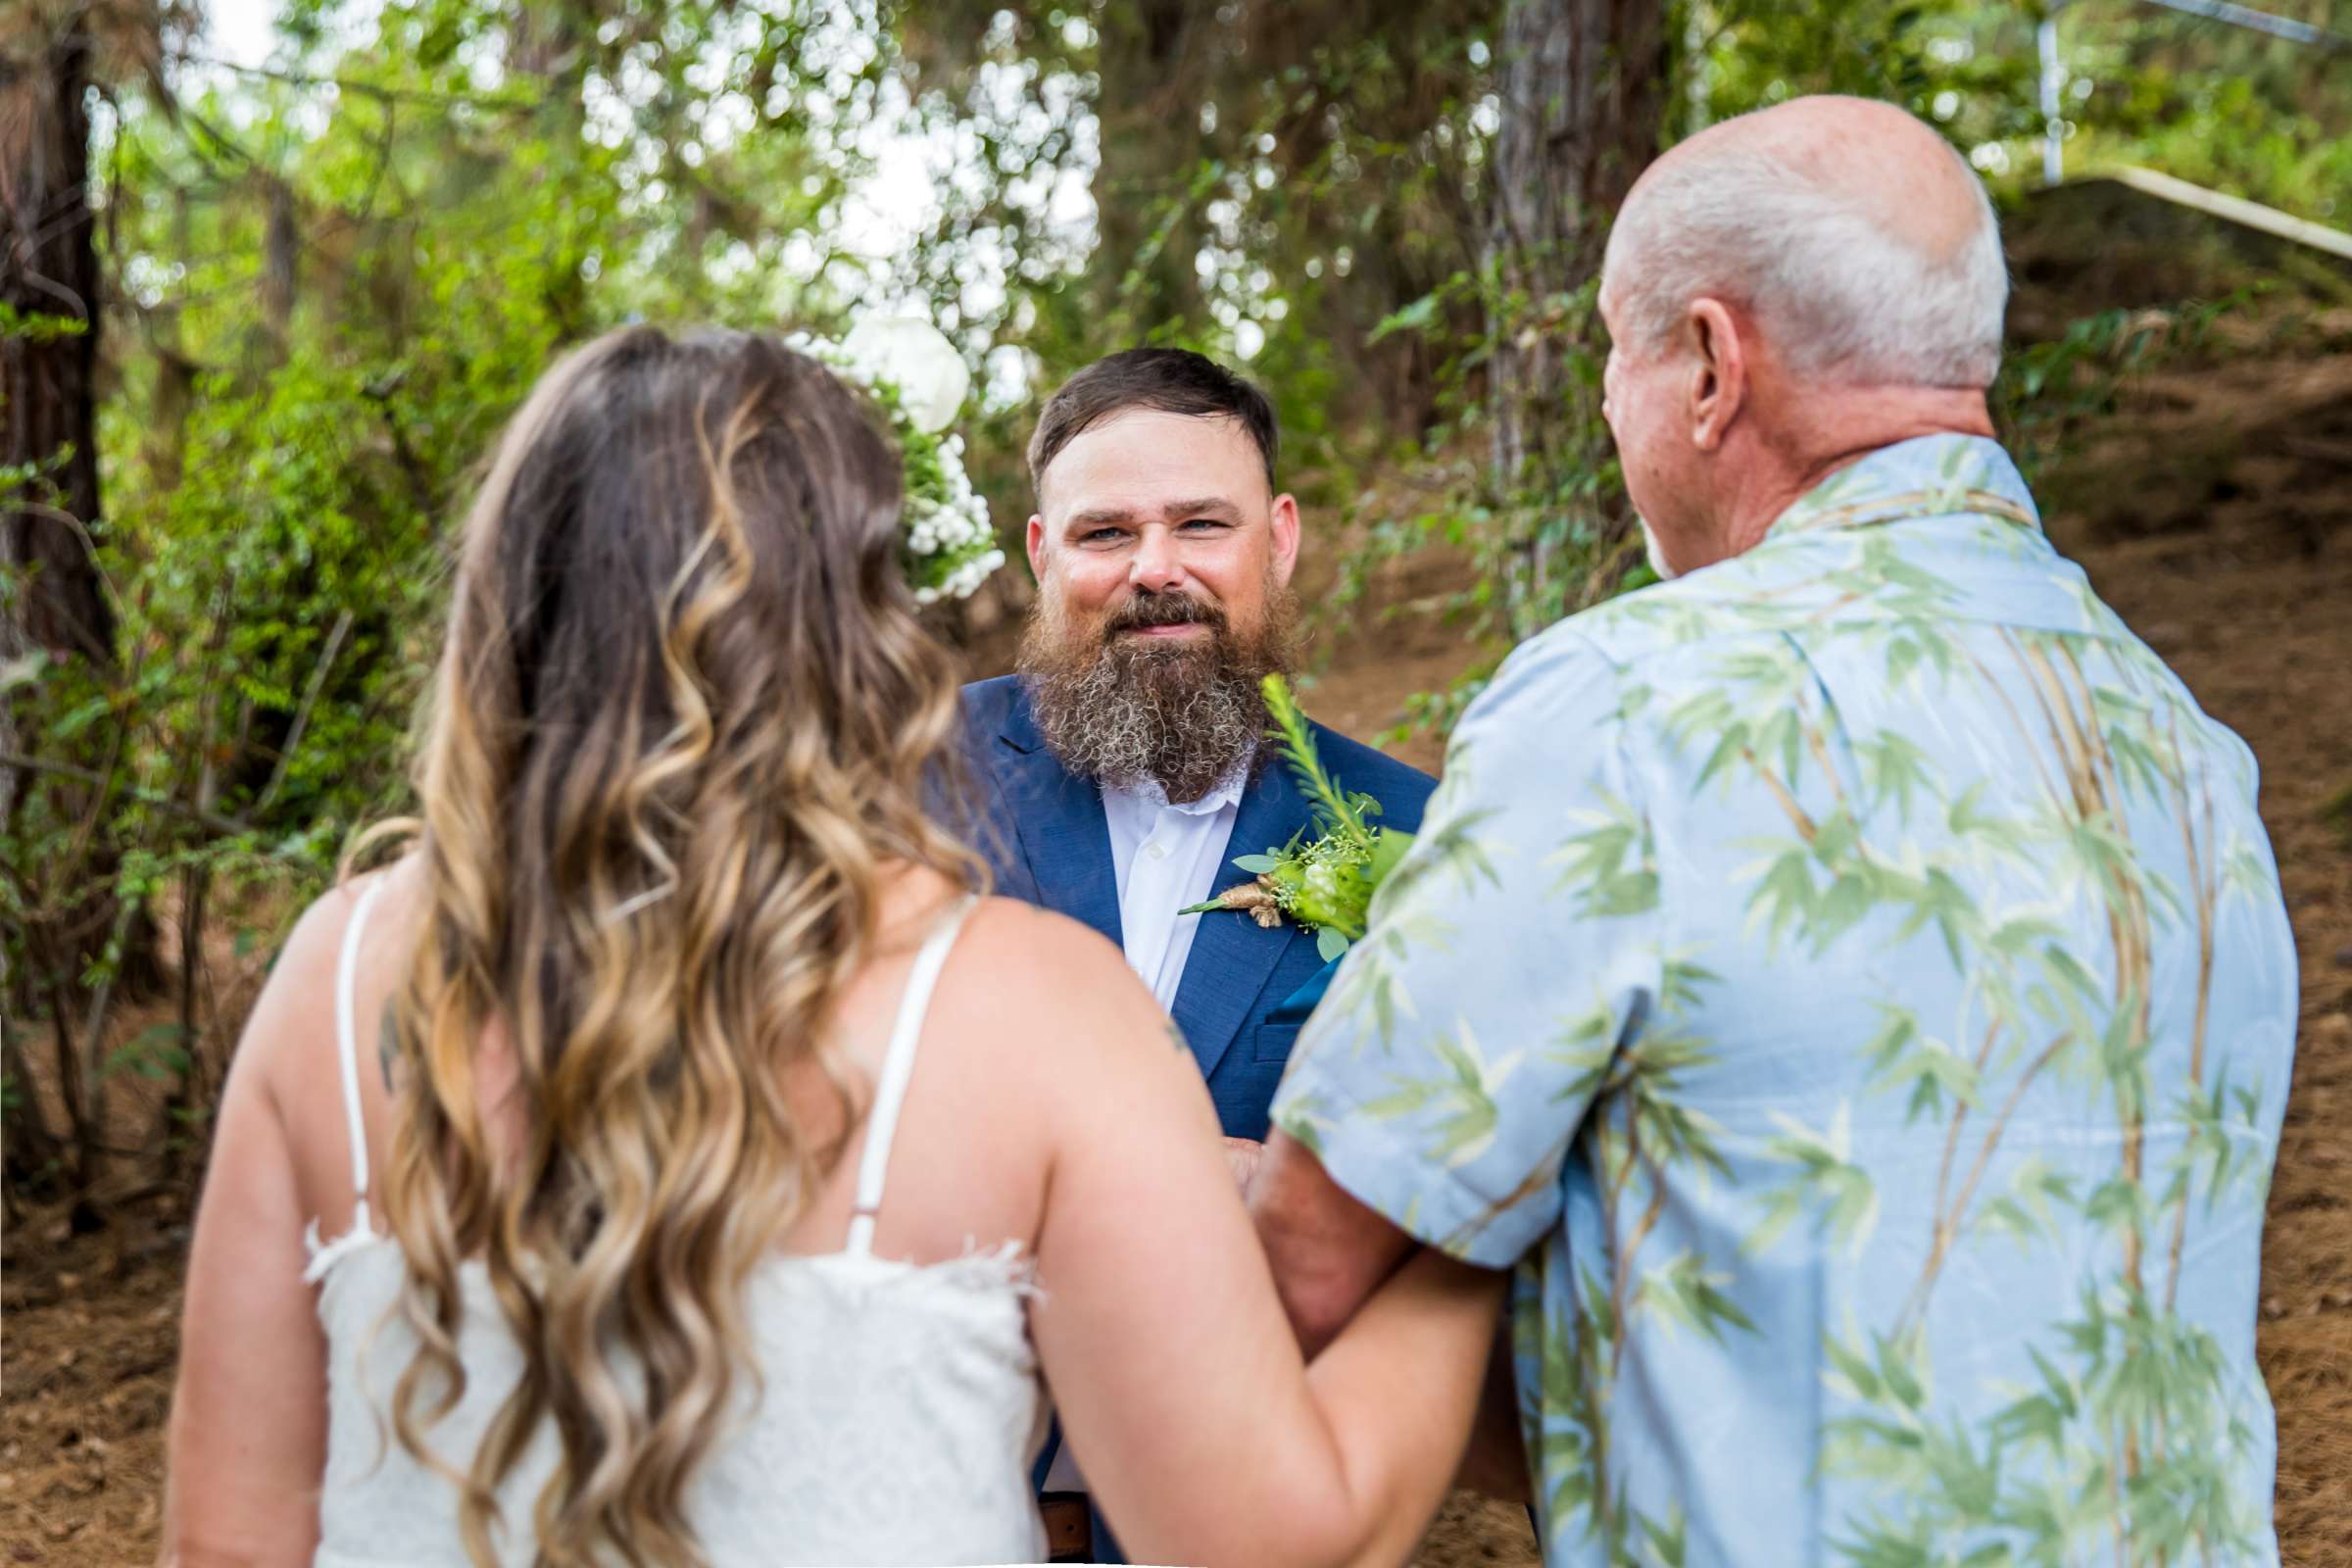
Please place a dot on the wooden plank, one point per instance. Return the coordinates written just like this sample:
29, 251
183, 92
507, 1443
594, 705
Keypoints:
2237, 16
2236, 209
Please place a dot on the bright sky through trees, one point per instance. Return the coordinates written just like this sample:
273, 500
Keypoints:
888, 208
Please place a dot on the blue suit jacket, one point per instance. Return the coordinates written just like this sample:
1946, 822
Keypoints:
1045, 834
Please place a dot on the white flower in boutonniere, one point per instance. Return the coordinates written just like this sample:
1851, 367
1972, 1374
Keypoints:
915, 375
1326, 885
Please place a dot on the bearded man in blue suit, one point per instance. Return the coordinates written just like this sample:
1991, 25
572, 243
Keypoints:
1125, 764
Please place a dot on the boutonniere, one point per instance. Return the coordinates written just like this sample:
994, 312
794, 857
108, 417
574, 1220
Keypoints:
1324, 884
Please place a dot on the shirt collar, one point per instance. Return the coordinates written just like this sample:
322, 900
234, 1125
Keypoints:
1926, 476
1227, 793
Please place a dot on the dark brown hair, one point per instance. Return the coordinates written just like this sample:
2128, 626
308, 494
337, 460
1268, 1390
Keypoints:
1165, 380
683, 728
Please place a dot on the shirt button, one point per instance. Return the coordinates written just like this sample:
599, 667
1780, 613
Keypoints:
1157, 851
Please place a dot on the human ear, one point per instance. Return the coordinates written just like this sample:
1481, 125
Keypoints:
1037, 545
1285, 519
1719, 381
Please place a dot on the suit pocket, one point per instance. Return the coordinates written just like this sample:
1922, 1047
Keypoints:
1273, 1042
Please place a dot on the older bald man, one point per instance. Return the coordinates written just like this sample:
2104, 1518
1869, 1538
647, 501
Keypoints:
1849, 981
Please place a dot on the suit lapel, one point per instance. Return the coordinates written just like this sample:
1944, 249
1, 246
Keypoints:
1064, 836
1232, 955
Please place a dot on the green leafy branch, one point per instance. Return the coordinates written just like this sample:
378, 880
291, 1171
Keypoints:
39, 327
1336, 813
1327, 884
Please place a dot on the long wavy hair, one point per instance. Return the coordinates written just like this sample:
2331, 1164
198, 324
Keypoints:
685, 721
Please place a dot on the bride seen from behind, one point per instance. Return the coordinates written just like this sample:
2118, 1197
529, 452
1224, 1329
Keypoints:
591, 1095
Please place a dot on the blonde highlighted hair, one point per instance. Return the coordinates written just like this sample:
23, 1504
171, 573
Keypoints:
684, 722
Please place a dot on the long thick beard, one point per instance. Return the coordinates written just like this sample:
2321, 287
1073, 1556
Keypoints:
1183, 713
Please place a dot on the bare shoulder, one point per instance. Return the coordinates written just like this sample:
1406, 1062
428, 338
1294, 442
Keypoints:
1017, 937
296, 1010
319, 931
1063, 989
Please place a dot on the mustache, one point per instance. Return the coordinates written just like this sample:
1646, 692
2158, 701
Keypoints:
1142, 611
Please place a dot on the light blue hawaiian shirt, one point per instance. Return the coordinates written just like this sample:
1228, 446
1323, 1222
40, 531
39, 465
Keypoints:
1851, 984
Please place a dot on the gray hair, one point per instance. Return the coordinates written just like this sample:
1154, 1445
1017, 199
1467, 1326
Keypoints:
1849, 298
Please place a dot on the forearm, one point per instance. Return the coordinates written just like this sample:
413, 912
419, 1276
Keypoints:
1398, 1391
1334, 1465
1328, 1252
1319, 1295
1424, 1342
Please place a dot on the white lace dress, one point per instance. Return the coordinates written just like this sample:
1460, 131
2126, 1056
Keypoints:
901, 1403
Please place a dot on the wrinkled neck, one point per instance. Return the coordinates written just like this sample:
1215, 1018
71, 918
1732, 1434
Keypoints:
1834, 429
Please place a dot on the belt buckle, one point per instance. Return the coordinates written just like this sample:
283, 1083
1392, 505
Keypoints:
1069, 1527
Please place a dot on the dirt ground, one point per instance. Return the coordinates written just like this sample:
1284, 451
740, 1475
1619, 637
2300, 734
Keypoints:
2216, 515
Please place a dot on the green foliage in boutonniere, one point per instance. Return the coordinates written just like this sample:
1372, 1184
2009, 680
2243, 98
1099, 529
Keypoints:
1325, 884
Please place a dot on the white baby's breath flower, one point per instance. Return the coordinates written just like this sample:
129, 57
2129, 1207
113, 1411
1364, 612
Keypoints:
948, 539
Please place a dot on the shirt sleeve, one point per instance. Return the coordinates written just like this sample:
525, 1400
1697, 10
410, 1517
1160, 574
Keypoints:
1442, 1079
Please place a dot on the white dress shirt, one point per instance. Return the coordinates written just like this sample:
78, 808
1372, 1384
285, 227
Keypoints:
1166, 856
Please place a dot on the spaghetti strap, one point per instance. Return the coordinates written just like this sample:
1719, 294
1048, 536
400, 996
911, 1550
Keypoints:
897, 1066
347, 980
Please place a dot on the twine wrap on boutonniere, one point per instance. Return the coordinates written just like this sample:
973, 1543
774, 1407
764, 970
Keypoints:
1326, 884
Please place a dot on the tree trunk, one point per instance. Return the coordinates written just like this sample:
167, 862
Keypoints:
1583, 85
48, 448
48, 380
1149, 117
33, 1151
49, 503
